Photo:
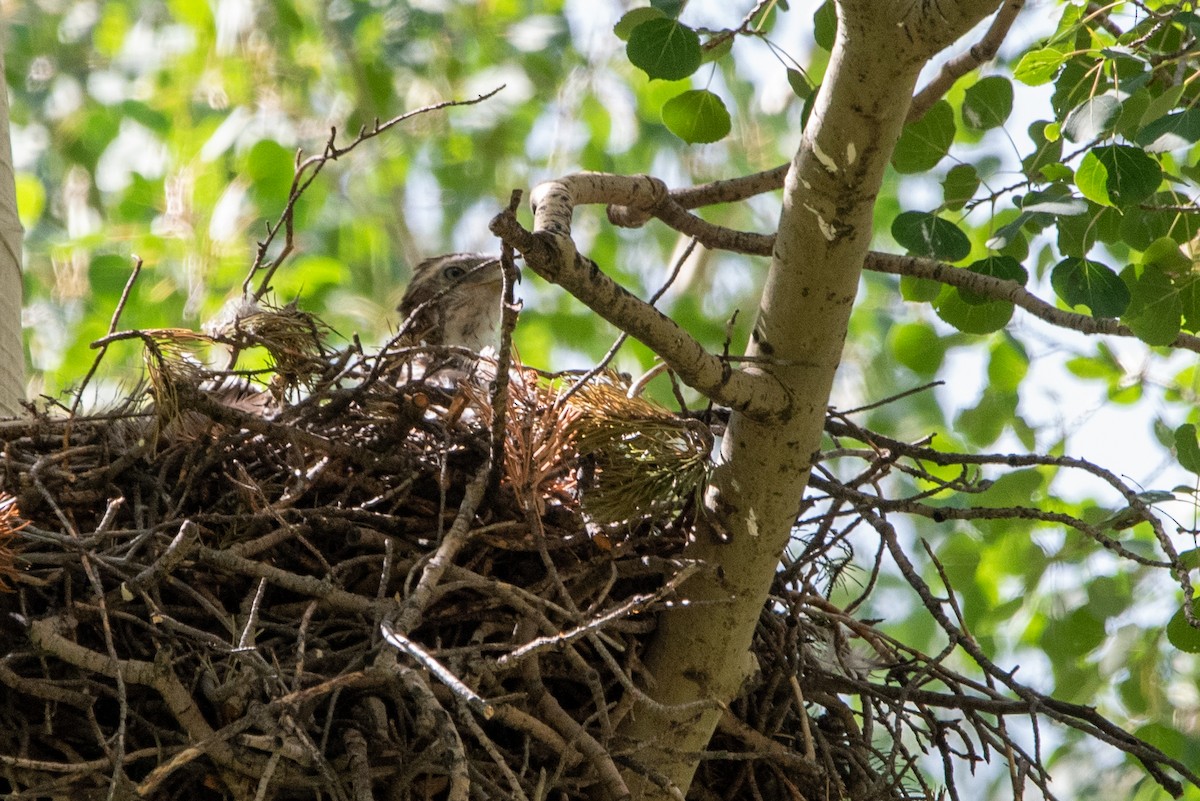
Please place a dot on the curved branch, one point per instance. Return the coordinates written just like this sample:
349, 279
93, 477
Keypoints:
717, 237
982, 51
550, 252
731, 190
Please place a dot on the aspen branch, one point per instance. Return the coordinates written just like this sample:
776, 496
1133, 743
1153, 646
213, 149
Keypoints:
550, 252
982, 51
674, 215
1011, 291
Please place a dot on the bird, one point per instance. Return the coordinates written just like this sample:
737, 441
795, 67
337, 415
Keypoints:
454, 301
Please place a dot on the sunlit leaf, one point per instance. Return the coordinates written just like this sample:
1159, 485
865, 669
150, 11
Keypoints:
1118, 175
1092, 119
1038, 66
31, 199
1172, 132
697, 116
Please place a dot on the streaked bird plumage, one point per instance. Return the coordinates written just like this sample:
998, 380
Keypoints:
454, 300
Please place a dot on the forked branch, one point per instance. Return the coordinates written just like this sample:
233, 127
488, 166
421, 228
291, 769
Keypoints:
307, 171
550, 252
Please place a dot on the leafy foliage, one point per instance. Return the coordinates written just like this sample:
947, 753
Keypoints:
1069, 166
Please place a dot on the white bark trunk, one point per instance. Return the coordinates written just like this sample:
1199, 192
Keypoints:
825, 228
12, 355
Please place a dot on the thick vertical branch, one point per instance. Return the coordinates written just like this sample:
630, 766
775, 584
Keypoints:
12, 358
702, 651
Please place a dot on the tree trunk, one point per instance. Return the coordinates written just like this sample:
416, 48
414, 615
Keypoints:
701, 652
12, 356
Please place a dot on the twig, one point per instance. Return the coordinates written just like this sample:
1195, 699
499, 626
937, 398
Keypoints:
439, 671
635, 605
409, 615
312, 166
112, 328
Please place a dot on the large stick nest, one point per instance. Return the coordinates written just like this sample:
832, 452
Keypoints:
314, 586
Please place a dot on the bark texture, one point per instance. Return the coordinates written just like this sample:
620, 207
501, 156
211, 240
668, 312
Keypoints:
701, 652
12, 357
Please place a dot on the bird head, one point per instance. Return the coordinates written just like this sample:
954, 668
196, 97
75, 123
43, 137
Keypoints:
454, 300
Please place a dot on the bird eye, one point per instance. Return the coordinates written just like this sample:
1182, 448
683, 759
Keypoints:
454, 272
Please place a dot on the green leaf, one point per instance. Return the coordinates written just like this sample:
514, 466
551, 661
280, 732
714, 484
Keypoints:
1118, 175
1038, 66
1080, 282
1008, 365
920, 290
634, 18
1164, 253
1183, 635
1162, 104
925, 234
31, 199
973, 318
664, 48
716, 48
1092, 119
269, 166
1139, 227
1155, 310
1172, 132
1048, 148
697, 116
152, 118
988, 103
959, 186
925, 142
1077, 234
918, 347
1002, 267
825, 26
1018, 488
985, 422
799, 84
1073, 636
1189, 299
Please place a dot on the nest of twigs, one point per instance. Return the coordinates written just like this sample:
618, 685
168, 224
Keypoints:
314, 584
